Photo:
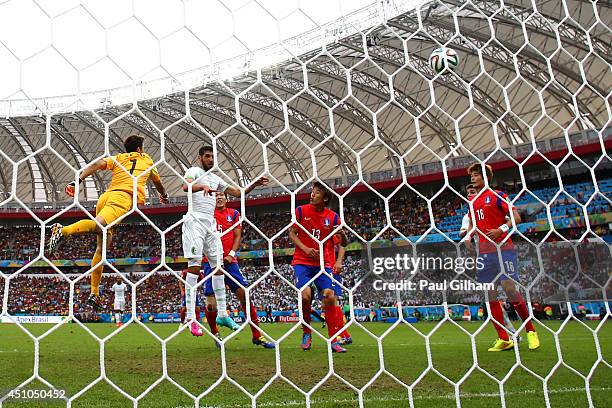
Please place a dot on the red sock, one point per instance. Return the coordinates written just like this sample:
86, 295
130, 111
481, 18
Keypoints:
498, 314
211, 318
182, 314
197, 313
332, 320
254, 319
307, 309
521, 309
340, 320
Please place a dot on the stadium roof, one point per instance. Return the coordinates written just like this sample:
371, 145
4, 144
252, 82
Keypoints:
365, 102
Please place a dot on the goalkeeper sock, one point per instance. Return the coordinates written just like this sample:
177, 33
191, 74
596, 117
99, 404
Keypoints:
498, 314
307, 310
254, 319
118, 318
218, 285
211, 318
191, 279
79, 227
96, 274
521, 309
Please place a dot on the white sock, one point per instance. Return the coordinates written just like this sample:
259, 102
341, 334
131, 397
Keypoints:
218, 284
508, 323
192, 280
118, 318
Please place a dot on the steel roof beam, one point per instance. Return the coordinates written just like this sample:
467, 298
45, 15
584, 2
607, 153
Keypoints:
174, 114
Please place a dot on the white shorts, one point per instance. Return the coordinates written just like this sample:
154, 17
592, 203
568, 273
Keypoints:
201, 239
119, 305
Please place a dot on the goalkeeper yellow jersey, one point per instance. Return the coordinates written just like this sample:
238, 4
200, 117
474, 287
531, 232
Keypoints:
135, 164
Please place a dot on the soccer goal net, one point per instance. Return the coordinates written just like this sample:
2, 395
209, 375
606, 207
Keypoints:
390, 197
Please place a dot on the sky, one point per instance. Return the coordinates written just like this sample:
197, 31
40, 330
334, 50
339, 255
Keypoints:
53, 48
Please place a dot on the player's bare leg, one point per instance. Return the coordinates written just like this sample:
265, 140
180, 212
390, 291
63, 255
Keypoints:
333, 324
518, 302
257, 339
210, 311
306, 295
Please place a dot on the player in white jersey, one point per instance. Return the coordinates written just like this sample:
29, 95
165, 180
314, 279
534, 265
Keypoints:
465, 222
200, 236
119, 305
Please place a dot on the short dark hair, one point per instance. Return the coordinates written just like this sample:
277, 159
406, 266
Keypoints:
477, 167
132, 143
470, 186
204, 149
327, 195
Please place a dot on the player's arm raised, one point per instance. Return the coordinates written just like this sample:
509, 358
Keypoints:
87, 171
235, 191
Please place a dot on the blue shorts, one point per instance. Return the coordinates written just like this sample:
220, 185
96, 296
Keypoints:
335, 282
304, 273
234, 270
491, 267
184, 302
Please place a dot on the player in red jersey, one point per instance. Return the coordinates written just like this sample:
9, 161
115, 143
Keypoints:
225, 219
320, 222
493, 222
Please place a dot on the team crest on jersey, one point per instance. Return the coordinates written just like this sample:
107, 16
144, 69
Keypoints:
488, 200
326, 222
229, 218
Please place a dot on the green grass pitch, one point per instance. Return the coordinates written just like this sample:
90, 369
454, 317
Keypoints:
70, 359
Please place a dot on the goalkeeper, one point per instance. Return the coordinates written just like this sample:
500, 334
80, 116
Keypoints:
113, 204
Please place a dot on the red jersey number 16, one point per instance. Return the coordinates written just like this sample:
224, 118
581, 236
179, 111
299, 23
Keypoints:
480, 213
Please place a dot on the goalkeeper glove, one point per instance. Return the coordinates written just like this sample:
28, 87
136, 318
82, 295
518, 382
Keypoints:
163, 198
71, 187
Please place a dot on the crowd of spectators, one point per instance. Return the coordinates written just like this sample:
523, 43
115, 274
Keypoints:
363, 213
158, 293
560, 270
556, 268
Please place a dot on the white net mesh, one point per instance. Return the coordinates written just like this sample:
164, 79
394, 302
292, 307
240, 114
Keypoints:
352, 103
